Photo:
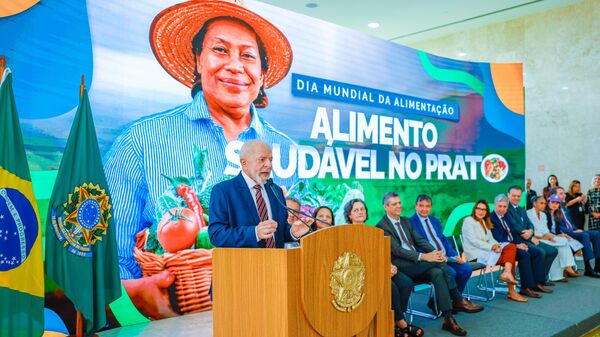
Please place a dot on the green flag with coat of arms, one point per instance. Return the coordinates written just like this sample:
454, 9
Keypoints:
81, 254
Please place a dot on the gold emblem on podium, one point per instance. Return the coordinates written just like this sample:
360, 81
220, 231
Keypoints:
347, 280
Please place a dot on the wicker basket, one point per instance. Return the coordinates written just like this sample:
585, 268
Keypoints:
192, 269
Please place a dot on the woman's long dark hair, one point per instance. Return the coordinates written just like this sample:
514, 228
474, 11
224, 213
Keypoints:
314, 226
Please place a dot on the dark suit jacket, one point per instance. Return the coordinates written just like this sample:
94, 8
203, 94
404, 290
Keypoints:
530, 194
401, 256
233, 215
519, 219
437, 227
499, 233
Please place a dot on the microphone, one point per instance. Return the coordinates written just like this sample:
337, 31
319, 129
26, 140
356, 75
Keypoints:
271, 184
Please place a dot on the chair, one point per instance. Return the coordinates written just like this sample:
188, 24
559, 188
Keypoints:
488, 282
476, 266
431, 295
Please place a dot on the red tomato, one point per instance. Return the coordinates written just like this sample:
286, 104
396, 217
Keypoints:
178, 229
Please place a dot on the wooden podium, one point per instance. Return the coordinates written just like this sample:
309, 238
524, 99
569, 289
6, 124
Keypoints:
295, 292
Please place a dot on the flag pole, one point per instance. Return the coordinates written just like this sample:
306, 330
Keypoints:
79, 325
2, 66
82, 86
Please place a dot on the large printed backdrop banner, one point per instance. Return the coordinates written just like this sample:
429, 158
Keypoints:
355, 116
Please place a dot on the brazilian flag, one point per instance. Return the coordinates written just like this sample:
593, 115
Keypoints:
21, 267
81, 253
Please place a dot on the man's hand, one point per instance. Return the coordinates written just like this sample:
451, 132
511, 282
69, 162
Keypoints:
523, 246
299, 228
535, 241
265, 229
459, 260
596, 215
435, 256
526, 234
150, 295
394, 270
496, 248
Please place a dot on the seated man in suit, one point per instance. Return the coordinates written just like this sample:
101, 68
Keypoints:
294, 204
245, 212
430, 228
531, 265
428, 266
521, 223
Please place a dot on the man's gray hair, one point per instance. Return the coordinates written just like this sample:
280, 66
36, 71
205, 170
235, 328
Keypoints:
292, 199
500, 198
387, 196
249, 147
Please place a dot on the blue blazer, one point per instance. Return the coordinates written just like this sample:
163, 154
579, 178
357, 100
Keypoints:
437, 227
233, 215
499, 233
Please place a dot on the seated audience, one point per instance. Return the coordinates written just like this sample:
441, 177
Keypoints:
430, 228
478, 239
531, 264
520, 222
560, 225
562, 266
324, 216
426, 266
356, 213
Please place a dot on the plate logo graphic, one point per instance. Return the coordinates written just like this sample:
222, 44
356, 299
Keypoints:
494, 168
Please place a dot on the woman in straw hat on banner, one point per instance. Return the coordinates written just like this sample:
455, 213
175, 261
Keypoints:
227, 55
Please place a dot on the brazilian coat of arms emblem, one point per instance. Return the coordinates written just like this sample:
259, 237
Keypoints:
84, 220
347, 280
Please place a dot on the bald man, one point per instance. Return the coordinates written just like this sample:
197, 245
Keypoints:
246, 211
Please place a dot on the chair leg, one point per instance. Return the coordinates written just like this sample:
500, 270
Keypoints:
476, 297
411, 311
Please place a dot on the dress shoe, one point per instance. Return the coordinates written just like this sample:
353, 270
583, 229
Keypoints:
540, 288
563, 280
570, 273
549, 284
466, 306
514, 296
451, 326
591, 273
508, 280
529, 293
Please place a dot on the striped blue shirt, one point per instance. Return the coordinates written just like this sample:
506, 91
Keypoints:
163, 144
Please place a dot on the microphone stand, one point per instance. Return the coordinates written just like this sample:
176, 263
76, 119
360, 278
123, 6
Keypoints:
294, 211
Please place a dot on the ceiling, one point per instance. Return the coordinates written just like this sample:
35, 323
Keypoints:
407, 22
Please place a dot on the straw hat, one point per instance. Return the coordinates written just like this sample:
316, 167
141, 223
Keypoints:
173, 29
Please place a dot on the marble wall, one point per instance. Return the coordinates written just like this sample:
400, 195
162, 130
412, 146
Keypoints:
560, 52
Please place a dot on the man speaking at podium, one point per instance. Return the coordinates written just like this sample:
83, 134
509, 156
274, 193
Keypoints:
245, 211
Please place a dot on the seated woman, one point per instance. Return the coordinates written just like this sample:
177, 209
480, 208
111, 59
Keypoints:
356, 213
324, 216
478, 239
563, 265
